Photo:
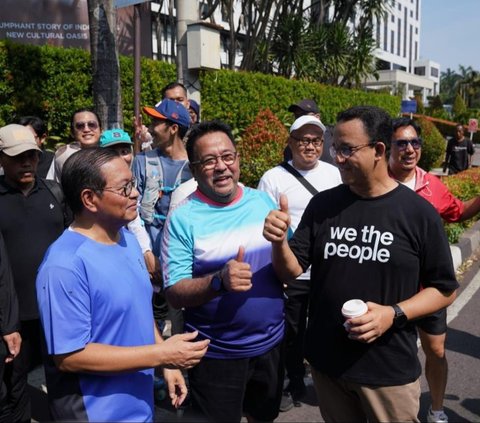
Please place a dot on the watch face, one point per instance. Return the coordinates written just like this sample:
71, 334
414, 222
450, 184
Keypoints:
216, 283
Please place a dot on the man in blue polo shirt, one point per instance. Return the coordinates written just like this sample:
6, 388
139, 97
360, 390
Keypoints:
217, 265
94, 296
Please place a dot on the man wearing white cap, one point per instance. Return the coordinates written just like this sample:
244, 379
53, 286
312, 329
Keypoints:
299, 179
32, 216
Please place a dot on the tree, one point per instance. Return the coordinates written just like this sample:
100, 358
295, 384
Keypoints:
459, 107
105, 62
448, 83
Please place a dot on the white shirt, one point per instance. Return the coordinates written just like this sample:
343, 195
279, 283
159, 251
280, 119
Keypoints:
278, 181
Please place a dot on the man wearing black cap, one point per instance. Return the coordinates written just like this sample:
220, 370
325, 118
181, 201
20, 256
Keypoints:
305, 107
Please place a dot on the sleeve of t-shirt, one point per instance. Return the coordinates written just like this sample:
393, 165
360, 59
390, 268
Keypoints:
51, 171
436, 262
138, 172
471, 148
267, 186
301, 243
137, 228
64, 305
448, 206
177, 249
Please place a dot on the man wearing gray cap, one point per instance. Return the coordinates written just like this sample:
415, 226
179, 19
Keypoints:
299, 179
31, 218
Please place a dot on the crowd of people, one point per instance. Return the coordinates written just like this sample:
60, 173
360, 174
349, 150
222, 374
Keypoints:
128, 259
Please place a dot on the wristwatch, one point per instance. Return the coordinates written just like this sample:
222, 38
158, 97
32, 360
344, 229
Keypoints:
217, 283
399, 319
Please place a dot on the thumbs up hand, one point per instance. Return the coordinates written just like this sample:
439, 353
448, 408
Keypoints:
236, 274
277, 222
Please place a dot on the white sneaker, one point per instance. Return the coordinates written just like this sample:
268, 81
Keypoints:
439, 417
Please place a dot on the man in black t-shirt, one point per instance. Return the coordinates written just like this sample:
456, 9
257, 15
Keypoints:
31, 218
369, 239
459, 152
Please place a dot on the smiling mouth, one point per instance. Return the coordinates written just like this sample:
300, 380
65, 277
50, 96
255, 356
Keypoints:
222, 178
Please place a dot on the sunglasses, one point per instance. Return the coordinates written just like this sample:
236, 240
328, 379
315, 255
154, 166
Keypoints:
416, 144
91, 125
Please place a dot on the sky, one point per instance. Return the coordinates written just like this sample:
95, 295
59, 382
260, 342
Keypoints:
450, 33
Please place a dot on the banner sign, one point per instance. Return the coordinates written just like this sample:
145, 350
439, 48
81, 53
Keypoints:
409, 106
62, 23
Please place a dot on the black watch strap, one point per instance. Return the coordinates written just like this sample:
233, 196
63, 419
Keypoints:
400, 318
217, 282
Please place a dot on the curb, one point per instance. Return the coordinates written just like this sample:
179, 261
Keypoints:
466, 245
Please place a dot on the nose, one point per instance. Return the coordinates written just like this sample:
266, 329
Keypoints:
409, 148
134, 194
220, 165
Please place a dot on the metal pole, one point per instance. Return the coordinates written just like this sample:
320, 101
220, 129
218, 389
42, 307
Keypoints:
136, 54
136, 69
187, 12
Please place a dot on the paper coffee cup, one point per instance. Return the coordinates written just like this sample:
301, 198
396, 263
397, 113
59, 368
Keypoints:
354, 308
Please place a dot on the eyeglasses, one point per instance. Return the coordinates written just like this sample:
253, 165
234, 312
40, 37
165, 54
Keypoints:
126, 190
91, 125
416, 143
345, 151
210, 162
303, 142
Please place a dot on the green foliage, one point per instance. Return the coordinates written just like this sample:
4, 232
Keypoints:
52, 82
261, 147
435, 104
459, 107
6, 87
433, 149
420, 105
464, 185
236, 97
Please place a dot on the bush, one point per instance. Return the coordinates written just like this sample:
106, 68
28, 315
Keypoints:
236, 97
52, 82
433, 149
464, 185
261, 147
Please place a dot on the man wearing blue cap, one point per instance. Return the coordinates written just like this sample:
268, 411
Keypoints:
159, 171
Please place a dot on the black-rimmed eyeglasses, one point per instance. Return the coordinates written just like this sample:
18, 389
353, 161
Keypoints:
347, 151
303, 142
124, 191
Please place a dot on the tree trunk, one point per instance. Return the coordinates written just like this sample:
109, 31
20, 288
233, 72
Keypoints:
107, 95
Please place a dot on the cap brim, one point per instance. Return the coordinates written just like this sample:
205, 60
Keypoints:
19, 149
307, 120
294, 107
109, 144
152, 112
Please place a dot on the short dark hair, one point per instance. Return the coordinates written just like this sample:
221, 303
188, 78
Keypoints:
38, 125
200, 129
182, 130
171, 86
82, 170
81, 110
376, 121
405, 121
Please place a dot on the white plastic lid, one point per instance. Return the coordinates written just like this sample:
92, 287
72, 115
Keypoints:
354, 308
